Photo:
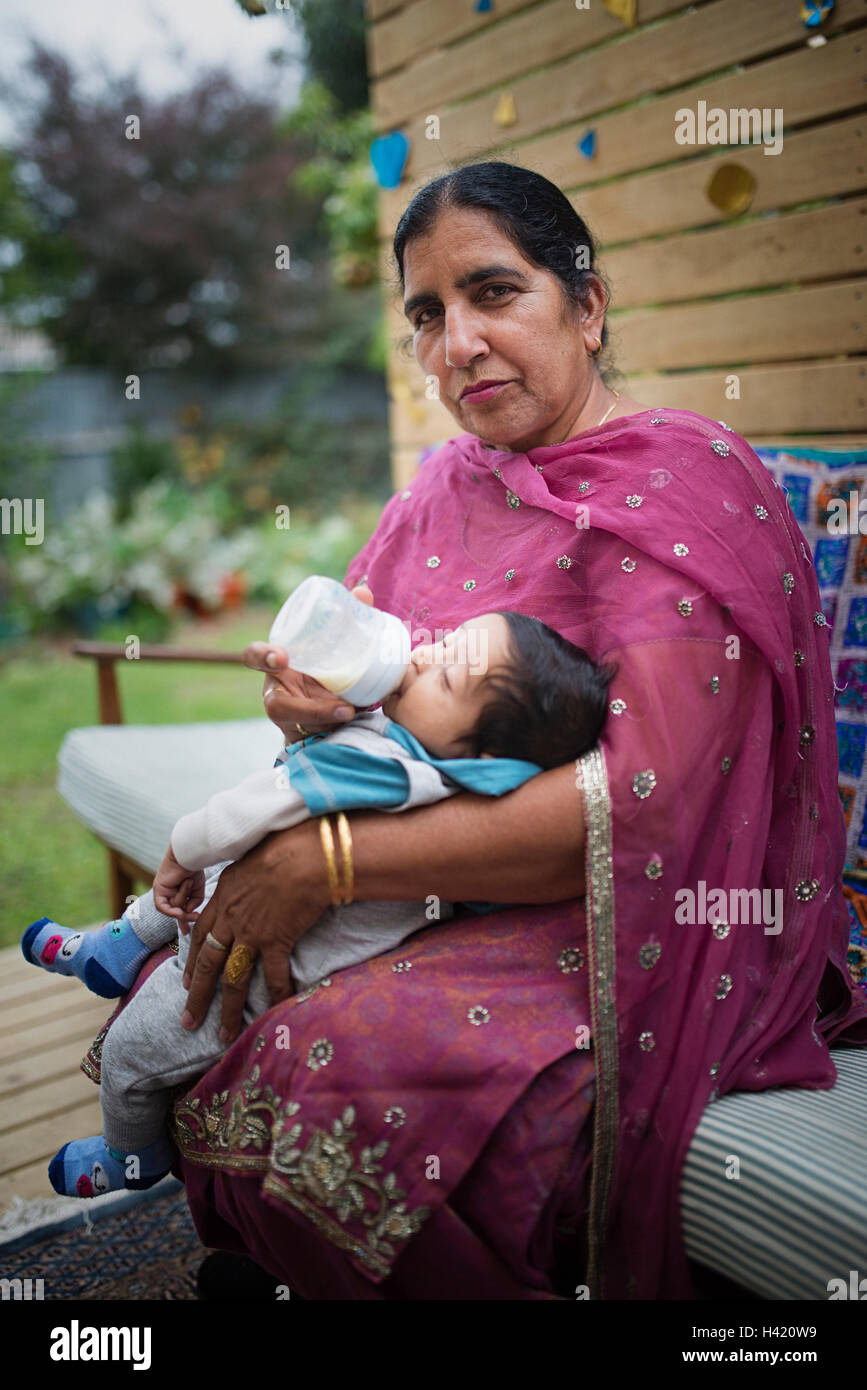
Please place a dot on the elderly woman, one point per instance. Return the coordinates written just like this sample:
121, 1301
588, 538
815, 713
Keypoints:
501, 1108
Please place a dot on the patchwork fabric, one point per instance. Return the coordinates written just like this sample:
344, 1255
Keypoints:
827, 492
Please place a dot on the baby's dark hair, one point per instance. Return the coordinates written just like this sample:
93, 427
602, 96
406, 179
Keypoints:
550, 706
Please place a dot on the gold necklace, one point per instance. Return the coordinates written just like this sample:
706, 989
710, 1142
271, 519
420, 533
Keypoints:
610, 408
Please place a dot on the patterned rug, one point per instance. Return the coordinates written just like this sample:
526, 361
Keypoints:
147, 1251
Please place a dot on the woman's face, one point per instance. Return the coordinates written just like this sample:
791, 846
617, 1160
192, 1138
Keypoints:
479, 311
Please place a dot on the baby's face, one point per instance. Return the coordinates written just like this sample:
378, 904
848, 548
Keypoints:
442, 694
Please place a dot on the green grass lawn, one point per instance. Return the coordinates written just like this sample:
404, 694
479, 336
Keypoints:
52, 865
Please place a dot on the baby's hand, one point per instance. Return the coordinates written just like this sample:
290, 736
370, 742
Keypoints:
178, 891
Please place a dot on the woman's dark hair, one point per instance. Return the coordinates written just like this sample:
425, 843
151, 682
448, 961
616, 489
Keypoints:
532, 212
550, 707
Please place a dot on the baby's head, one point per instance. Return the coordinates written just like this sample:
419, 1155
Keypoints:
502, 686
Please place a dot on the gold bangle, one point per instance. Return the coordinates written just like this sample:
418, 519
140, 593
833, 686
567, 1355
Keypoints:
346, 848
326, 835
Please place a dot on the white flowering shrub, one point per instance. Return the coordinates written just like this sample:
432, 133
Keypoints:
169, 556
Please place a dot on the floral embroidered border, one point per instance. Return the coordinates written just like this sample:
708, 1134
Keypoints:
90, 1064
322, 1177
592, 779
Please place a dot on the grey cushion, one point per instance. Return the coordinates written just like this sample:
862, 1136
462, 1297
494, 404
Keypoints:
796, 1217
129, 783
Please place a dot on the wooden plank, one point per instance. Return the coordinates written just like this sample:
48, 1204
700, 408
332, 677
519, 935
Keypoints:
435, 423
810, 397
43, 1138
38, 1102
826, 161
823, 244
376, 10
762, 327
45, 1063
808, 84
776, 326
806, 397
27, 1017
27, 1183
404, 467
48, 1033
39, 984
438, 67
32, 1180
404, 36
15, 967
643, 63
819, 244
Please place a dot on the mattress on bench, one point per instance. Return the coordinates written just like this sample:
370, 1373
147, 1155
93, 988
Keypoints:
129, 783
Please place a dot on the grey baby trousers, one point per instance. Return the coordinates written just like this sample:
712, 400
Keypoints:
146, 1052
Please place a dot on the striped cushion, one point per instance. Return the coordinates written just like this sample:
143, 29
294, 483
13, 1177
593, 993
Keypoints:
797, 1216
129, 783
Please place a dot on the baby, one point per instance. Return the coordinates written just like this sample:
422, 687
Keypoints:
500, 699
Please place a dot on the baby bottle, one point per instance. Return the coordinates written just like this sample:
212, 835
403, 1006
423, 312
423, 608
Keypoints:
351, 648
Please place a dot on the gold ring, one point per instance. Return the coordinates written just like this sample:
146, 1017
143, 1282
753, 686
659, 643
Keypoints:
211, 940
301, 729
240, 962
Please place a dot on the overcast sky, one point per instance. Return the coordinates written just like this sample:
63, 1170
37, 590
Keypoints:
149, 35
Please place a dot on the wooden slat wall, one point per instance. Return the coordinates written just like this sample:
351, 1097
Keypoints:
795, 333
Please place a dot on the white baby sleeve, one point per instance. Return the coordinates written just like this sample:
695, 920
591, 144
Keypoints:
235, 820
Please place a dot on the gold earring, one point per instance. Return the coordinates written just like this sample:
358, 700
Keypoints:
598, 349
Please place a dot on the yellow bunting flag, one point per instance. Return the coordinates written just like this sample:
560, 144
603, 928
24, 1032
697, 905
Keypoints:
505, 113
627, 10
732, 189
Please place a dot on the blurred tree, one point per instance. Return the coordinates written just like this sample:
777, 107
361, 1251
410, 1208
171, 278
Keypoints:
336, 50
337, 173
35, 266
335, 44
335, 129
163, 245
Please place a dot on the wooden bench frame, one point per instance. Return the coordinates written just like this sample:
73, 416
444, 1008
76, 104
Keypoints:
123, 871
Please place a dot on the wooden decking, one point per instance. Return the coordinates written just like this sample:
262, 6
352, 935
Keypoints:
47, 1023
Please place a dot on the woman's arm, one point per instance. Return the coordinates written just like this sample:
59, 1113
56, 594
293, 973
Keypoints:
526, 846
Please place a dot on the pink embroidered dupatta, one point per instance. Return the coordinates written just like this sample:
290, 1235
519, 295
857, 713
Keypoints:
660, 542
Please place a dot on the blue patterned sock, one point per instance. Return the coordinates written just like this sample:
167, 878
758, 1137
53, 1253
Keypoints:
88, 1167
106, 958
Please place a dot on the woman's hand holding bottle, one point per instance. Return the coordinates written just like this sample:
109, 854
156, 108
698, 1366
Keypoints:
291, 697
